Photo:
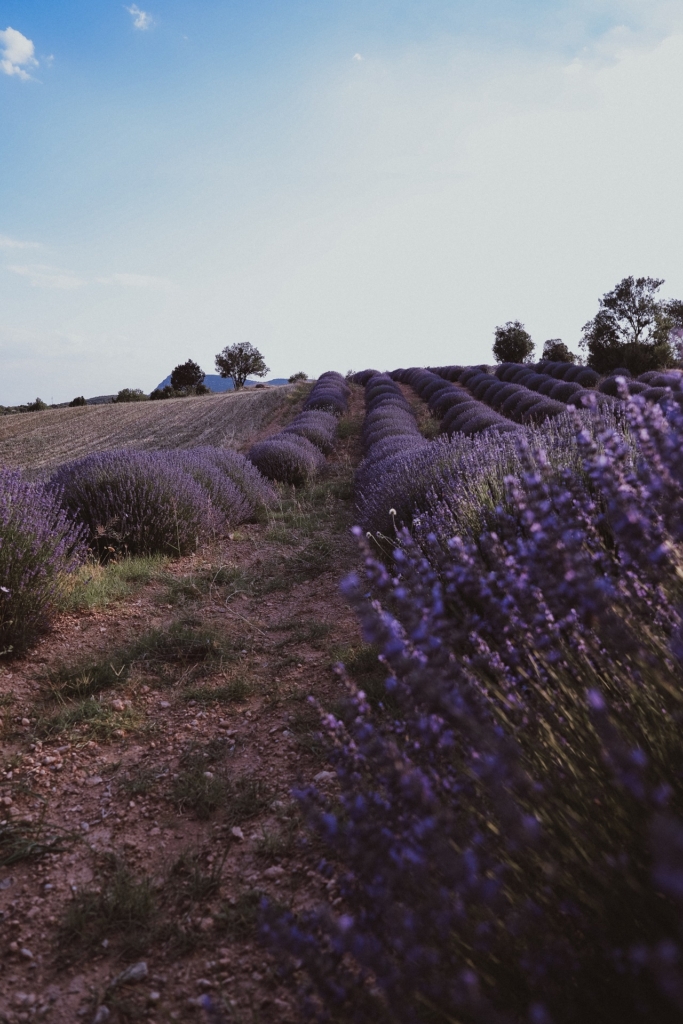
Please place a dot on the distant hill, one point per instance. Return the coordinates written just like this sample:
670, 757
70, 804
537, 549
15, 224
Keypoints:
216, 383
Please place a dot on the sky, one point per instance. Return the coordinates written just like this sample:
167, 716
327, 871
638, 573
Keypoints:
343, 183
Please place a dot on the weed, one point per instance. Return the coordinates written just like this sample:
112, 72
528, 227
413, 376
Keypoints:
274, 845
87, 678
232, 692
198, 883
140, 782
199, 790
305, 724
367, 671
239, 919
23, 840
124, 906
303, 633
183, 643
349, 426
247, 796
204, 583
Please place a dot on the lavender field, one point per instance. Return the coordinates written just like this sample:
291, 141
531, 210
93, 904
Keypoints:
488, 784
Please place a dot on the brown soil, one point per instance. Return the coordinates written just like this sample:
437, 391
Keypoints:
145, 870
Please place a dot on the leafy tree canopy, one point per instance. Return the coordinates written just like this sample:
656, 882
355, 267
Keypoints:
633, 328
77, 401
187, 376
555, 351
297, 376
240, 361
130, 395
512, 343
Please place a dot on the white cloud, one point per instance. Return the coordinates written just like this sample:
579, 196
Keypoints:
43, 276
141, 19
17, 54
356, 56
137, 281
14, 243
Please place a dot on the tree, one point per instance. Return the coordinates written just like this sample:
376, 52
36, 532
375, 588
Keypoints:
240, 361
131, 395
513, 344
632, 328
296, 377
77, 401
555, 351
187, 377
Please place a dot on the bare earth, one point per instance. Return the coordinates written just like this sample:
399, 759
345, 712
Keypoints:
43, 440
166, 796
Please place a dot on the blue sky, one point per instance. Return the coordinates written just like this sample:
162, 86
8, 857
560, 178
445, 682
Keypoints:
343, 184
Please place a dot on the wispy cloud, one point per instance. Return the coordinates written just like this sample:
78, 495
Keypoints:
42, 276
137, 281
14, 243
356, 56
18, 53
141, 19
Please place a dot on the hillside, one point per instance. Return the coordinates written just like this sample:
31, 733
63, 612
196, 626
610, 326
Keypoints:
219, 384
43, 440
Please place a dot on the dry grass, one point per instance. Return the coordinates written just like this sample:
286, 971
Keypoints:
42, 440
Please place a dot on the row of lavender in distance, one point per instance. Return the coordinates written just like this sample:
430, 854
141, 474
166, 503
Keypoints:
506, 838
137, 503
403, 475
39, 545
458, 408
516, 391
297, 453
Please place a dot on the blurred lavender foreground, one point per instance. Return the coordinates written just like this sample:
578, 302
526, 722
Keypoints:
38, 545
507, 839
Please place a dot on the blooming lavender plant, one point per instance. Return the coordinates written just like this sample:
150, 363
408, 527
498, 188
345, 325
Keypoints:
136, 502
506, 842
289, 458
39, 544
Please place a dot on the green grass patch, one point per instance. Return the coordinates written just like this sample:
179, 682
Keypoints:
205, 582
95, 585
90, 717
311, 633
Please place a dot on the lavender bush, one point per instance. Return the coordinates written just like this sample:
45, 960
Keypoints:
39, 544
136, 502
329, 393
317, 426
288, 458
507, 842
253, 485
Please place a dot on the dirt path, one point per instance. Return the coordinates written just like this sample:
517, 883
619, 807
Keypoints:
149, 747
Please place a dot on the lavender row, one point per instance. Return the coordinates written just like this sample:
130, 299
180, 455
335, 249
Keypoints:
138, 503
459, 409
507, 838
297, 453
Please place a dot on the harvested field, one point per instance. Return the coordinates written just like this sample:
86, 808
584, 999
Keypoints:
42, 440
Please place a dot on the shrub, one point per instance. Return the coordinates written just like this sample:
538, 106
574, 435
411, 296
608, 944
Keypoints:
38, 545
135, 502
318, 426
288, 458
295, 377
245, 475
130, 395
